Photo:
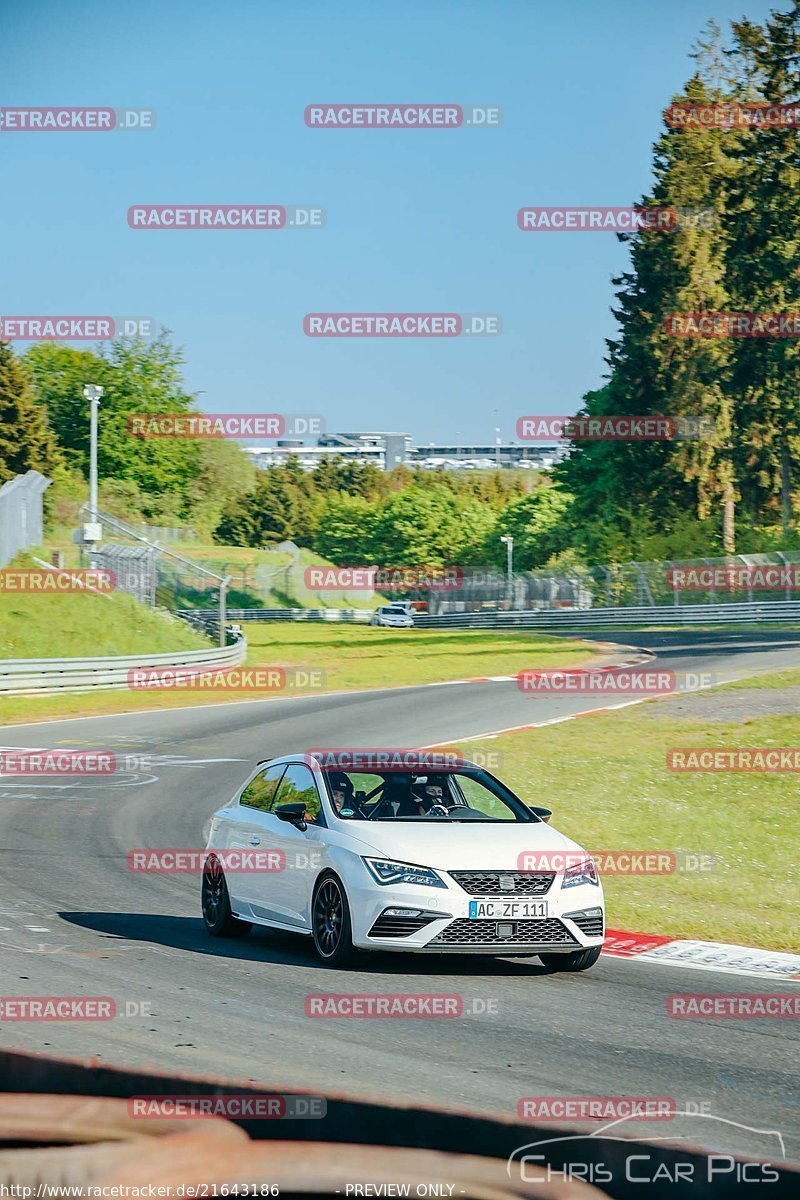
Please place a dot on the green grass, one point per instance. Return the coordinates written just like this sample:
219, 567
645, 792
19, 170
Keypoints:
79, 624
358, 656
352, 656
606, 779
777, 679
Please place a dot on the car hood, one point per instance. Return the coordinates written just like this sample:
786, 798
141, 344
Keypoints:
452, 846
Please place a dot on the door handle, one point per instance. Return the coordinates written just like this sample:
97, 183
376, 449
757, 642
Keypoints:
255, 841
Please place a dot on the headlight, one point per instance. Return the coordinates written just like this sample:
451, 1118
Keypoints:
582, 872
387, 871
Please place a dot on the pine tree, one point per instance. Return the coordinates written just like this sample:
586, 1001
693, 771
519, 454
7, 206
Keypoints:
26, 441
764, 269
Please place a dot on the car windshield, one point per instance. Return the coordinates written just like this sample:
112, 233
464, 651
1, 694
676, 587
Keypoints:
463, 795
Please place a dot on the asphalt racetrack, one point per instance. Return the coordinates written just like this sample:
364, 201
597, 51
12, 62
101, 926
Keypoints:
74, 921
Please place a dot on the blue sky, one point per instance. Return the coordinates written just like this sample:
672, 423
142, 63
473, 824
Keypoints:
421, 221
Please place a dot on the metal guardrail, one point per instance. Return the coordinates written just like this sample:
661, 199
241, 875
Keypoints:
609, 618
540, 618
45, 676
208, 616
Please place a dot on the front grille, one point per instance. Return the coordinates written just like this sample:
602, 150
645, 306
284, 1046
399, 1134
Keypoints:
539, 933
590, 924
487, 883
400, 927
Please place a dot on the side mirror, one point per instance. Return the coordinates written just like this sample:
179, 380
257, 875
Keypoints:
293, 813
544, 814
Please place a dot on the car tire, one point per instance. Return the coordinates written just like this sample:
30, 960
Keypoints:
580, 960
331, 927
216, 903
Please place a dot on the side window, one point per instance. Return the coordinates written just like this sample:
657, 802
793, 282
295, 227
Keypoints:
480, 798
260, 791
298, 787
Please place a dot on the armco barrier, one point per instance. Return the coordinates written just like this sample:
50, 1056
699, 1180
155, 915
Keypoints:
540, 618
208, 616
41, 676
608, 618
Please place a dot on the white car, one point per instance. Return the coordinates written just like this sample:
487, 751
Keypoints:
349, 850
392, 617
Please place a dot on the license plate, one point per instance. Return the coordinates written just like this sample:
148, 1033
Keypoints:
507, 910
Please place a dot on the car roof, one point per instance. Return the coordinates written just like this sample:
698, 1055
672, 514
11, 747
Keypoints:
281, 759
305, 755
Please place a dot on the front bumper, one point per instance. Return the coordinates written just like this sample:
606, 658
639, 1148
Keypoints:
448, 929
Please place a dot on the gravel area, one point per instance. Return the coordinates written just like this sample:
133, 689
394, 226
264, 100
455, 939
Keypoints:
741, 705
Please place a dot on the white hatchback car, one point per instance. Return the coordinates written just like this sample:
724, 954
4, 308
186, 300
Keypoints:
361, 855
393, 616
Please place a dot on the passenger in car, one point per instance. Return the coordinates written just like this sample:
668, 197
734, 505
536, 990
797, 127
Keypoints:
346, 802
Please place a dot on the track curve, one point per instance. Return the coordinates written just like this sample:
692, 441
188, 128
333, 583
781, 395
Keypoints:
74, 921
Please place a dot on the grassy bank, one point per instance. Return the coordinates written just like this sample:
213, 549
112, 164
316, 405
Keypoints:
81, 623
608, 784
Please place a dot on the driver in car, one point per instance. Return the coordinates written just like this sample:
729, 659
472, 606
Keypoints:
433, 793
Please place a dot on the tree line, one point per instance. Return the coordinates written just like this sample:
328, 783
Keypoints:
733, 488
736, 486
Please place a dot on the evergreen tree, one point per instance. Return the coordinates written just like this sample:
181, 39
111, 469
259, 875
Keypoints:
26, 440
764, 270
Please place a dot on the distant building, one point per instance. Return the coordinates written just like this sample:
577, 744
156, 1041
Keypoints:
385, 450
486, 457
390, 450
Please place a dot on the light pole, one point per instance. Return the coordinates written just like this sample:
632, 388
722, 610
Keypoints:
223, 608
509, 541
93, 531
